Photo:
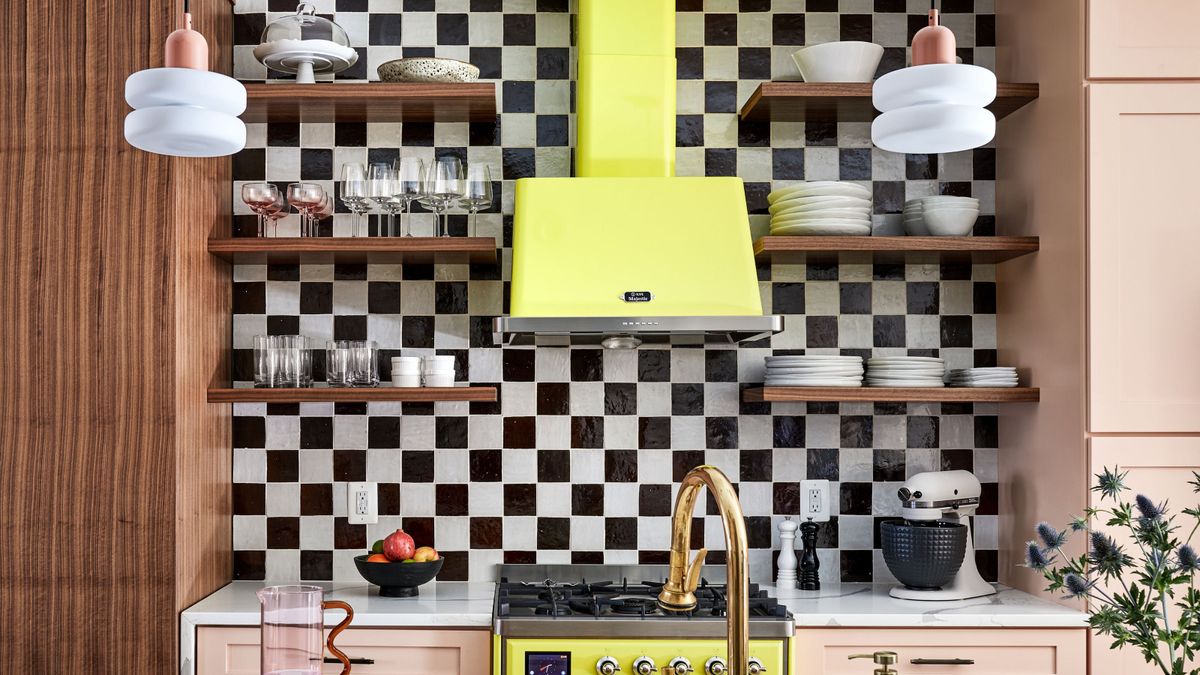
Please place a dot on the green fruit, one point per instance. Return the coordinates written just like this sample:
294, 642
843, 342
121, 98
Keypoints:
409, 560
377, 547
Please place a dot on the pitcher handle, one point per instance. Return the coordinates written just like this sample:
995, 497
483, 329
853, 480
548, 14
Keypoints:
338, 604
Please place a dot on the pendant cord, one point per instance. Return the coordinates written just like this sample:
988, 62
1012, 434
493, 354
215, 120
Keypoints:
186, 6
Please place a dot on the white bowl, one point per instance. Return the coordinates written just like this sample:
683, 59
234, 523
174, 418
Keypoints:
187, 87
947, 200
934, 83
916, 227
950, 222
839, 61
439, 380
185, 132
406, 381
933, 129
406, 365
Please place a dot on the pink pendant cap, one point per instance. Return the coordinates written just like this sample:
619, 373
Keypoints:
186, 48
934, 43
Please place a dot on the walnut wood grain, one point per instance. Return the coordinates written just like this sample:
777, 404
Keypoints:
351, 395
893, 394
848, 101
370, 102
373, 250
912, 250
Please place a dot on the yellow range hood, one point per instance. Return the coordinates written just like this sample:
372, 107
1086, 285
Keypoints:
626, 252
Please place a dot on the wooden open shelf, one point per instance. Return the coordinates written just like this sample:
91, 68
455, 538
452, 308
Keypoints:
912, 250
320, 394
370, 102
848, 101
894, 394
354, 250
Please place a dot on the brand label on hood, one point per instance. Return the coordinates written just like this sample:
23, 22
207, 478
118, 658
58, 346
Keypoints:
637, 296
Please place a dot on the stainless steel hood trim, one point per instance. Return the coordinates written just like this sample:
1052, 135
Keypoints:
655, 627
522, 330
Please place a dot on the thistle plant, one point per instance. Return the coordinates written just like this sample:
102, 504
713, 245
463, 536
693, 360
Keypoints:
1129, 593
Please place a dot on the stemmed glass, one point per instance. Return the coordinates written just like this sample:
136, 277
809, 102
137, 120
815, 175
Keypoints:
408, 187
278, 209
443, 185
354, 191
477, 193
305, 197
381, 180
324, 210
259, 197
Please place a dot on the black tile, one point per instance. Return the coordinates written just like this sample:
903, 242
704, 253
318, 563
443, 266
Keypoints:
785, 498
249, 499
956, 331
520, 432
620, 398
683, 461
856, 27
450, 432
823, 464
854, 298
383, 432
553, 398
984, 297
921, 167
820, 134
854, 499
349, 465
316, 297
888, 196
450, 499
316, 164
787, 163
621, 533
283, 325
888, 331
487, 5
922, 431
958, 460
587, 365
518, 365
787, 298
552, 130
987, 431
487, 532
788, 431
249, 432
520, 499
249, 565
857, 431
283, 532
687, 398
620, 466
553, 534
720, 97
720, 365
654, 433
754, 63
349, 327
249, 297
754, 134
416, 466
553, 63
587, 432
755, 465
721, 432
418, 134
689, 131
316, 433
554, 466
316, 565
854, 163
720, 29
654, 365
453, 29
720, 162
520, 29
416, 332
450, 297
587, 499
821, 331
518, 163
383, 297
857, 566
689, 63
316, 499
485, 466
518, 96
389, 499
283, 134
924, 297
788, 29
250, 164
489, 60
383, 29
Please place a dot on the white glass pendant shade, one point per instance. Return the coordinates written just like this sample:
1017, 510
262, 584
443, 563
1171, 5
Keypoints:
935, 83
185, 87
183, 131
933, 128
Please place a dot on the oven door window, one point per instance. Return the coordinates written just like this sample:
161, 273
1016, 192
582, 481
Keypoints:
547, 663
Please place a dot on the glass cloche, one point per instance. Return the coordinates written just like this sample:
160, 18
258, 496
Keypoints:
304, 43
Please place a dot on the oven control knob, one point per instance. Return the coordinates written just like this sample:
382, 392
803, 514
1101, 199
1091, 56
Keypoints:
681, 665
715, 666
607, 665
644, 665
756, 667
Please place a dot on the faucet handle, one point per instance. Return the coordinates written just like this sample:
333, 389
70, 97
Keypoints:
885, 659
693, 575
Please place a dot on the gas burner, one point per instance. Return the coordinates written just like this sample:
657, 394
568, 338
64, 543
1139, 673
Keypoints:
635, 606
553, 609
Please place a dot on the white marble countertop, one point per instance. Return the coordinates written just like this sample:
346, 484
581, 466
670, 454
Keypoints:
870, 606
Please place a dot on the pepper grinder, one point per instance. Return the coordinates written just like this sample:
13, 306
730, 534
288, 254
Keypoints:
786, 578
810, 577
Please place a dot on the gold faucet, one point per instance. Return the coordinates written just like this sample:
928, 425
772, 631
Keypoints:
679, 593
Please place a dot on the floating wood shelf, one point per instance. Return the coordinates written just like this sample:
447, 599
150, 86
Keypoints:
894, 394
350, 395
370, 102
848, 101
913, 250
354, 250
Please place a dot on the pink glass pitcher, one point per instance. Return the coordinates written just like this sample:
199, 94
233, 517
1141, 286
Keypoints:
293, 630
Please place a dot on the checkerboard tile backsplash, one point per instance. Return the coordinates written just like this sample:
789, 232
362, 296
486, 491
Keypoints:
579, 459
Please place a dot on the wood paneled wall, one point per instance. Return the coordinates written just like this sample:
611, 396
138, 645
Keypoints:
114, 472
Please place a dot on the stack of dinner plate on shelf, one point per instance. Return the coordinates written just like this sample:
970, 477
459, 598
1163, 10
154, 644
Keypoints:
984, 377
821, 208
905, 371
814, 371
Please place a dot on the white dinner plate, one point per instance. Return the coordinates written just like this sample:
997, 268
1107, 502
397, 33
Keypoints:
923, 384
820, 188
821, 231
855, 212
790, 382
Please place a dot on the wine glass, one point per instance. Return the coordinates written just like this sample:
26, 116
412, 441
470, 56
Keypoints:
408, 186
259, 196
354, 191
305, 197
278, 209
443, 185
477, 193
323, 210
381, 179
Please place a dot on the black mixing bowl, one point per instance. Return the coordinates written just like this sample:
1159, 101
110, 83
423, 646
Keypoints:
397, 579
923, 554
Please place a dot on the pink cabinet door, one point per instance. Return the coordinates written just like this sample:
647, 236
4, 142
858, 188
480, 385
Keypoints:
1143, 277
1160, 468
1143, 39
992, 651
394, 651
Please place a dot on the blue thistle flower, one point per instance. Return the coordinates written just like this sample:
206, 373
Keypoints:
1079, 524
1150, 511
1077, 586
1110, 483
1106, 556
1035, 557
1188, 561
1051, 537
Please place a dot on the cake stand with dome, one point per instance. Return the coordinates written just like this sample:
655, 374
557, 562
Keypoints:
304, 43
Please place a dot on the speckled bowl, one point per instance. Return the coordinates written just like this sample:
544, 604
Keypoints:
398, 579
428, 69
923, 554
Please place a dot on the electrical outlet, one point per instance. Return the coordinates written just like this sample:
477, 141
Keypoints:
814, 500
362, 503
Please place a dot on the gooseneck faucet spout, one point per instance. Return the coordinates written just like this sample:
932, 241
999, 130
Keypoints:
678, 594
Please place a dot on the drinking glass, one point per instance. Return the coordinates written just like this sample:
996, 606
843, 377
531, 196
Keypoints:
275, 211
305, 197
477, 193
282, 361
351, 363
381, 180
409, 175
260, 196
354, 191
443, 185
324, 209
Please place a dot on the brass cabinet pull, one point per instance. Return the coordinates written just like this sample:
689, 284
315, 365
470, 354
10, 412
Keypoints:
356, 660
942, 662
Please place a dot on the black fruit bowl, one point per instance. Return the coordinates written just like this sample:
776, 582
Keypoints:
397, 579
923, 554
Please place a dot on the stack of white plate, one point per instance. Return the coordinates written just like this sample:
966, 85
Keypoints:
814, 371
984, 377
905, 371
821, 208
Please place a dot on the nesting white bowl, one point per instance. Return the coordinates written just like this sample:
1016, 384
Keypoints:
950, 222
839, 61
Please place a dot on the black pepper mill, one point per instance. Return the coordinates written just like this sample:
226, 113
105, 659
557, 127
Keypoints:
810, 578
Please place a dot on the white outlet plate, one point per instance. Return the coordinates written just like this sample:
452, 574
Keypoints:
362, 503
814, 500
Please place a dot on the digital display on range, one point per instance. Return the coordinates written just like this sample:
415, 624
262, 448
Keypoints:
547, 663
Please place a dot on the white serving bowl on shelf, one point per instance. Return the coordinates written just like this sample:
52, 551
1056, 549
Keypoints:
839, 61
950, 222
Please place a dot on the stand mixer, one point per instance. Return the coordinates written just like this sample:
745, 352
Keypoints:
953, 497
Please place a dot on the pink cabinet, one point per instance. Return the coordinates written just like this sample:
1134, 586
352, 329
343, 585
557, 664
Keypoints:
1146, 39
394, 651
990, 651
1143, 280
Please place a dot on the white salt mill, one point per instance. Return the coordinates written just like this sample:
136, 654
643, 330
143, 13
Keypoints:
787, 555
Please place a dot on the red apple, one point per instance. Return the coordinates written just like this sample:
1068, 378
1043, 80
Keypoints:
425, 554
398, 546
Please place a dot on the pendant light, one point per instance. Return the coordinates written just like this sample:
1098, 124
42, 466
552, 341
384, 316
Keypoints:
183, 109
936, 105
